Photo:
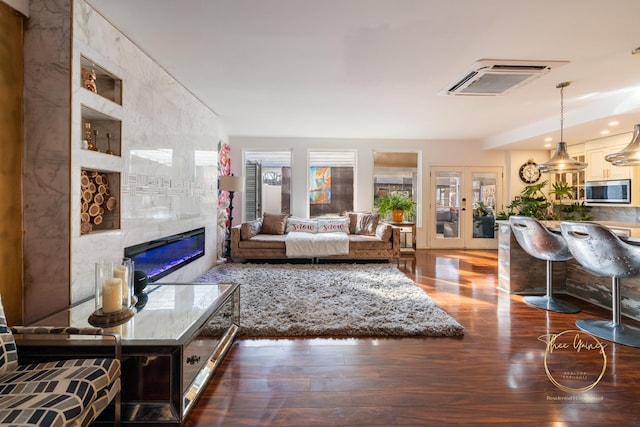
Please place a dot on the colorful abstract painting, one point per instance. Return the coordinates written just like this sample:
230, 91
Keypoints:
319, 186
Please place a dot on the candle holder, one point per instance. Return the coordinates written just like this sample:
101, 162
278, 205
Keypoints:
114, 298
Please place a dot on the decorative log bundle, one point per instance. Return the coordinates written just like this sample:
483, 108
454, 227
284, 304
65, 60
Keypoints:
96, 198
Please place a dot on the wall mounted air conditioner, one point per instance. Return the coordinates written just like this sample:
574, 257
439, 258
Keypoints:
491, 77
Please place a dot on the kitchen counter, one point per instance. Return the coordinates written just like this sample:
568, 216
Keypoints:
627, 231
520, 273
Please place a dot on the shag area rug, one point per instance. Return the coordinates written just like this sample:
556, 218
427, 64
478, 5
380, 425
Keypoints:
286, 300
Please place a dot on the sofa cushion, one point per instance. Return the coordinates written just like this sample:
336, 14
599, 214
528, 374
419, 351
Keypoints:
359, 242
250, 228
384, 232
333, 225
264, 241
367, 223
302, 224
273, 223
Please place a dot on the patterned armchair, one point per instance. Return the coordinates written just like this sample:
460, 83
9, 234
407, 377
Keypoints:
59, 393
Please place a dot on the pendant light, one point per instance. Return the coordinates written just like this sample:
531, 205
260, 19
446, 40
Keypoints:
562, 162
630, 156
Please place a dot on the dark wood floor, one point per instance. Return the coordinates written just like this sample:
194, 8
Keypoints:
494, 375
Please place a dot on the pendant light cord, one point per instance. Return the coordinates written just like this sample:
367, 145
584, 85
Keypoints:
562, 86
562, 113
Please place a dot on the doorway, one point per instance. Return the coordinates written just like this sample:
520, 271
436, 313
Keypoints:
463, 206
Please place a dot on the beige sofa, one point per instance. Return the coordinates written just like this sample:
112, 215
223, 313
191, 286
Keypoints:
253, 240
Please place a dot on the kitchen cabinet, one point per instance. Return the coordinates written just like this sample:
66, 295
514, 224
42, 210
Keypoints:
596, 151
599, 169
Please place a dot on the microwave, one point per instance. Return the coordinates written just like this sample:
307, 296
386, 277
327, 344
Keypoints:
610, 191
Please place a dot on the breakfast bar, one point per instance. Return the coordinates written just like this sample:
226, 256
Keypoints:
520, 273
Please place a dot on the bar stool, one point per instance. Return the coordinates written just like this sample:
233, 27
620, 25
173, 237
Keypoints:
536, 240
604, 254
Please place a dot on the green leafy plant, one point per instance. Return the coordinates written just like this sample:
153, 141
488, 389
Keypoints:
388, 203
531, 202
562, 190
481, 209
575, 212
534, 203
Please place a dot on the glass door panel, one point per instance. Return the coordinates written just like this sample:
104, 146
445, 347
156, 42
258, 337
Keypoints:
484, 186
447, 225
463, 207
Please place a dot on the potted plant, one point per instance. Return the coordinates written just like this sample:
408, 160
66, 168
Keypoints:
534, 203
395, 205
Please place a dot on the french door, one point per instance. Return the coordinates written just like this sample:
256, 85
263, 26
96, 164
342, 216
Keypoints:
463, 205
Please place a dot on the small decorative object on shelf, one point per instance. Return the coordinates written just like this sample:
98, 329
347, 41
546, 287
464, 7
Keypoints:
114, 298
109, 150
87, 138
89, 79
95, 198
95, 140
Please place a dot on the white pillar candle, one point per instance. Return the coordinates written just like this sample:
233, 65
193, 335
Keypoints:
121, 272
112, 295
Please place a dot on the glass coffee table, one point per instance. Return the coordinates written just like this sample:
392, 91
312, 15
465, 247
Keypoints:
166, 358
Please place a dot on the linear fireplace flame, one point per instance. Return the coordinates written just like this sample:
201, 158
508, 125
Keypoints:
160, 257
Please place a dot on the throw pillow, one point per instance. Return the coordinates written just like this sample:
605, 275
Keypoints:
367, 224
274, 223
250, 228
333, 225
353, 220
384, 232
302, 224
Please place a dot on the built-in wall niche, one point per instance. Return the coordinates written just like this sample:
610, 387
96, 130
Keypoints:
100, 132
99, 201
100, 81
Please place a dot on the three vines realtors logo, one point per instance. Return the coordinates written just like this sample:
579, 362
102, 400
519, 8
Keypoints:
575, 362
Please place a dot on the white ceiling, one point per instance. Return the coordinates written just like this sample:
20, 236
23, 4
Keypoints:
374, 68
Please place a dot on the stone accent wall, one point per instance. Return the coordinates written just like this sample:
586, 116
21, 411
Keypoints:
166, 161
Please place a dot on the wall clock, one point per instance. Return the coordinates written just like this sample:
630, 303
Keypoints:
529, 172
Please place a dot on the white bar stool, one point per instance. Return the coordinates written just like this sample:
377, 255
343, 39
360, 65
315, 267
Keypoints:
536, 240
604, 254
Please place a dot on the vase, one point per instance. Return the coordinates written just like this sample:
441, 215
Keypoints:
397, 215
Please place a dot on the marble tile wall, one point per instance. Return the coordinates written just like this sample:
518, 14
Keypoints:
46, 158
615, 213
168, 164
167, 167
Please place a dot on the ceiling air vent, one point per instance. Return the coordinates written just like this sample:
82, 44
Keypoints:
490, 77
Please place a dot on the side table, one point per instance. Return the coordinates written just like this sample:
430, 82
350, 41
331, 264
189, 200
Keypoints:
166, 361
407, 241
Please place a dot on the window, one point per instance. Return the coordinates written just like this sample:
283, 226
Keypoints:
331, 182
267, 183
